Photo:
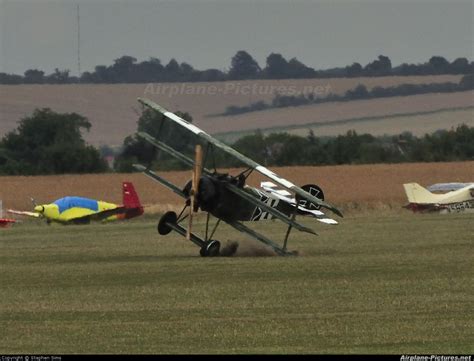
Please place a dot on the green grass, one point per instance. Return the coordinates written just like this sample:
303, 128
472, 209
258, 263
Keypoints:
398, 283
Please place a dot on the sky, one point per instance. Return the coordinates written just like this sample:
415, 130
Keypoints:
43, 34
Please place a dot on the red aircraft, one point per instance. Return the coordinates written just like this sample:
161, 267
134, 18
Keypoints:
5, 222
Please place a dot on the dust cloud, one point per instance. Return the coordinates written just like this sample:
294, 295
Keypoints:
234, 249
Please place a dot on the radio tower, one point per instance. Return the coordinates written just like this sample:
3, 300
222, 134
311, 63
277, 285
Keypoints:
78, 43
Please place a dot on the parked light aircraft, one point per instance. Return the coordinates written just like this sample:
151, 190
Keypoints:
440, 197
80, 210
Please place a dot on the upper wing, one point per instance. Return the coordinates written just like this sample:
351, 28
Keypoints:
259, 168
24, 213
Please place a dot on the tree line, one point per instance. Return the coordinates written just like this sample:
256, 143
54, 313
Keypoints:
51, 143
127, 69
360, 92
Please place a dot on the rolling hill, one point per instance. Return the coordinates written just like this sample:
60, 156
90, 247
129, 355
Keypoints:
113, 109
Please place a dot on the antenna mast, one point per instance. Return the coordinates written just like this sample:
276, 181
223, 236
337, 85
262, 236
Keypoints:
78, 43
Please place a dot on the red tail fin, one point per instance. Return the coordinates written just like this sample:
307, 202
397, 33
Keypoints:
131, 201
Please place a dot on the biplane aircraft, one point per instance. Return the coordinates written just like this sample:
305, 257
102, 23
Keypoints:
440, 197
226, 197
80, 210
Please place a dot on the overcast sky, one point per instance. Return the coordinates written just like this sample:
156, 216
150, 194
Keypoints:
206, 34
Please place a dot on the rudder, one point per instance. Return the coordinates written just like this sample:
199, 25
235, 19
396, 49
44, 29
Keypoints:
130, 196
417, 194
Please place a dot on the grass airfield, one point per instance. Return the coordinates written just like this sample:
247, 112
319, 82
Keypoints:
392, 283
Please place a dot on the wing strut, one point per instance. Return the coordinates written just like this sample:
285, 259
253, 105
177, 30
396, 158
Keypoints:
231, 187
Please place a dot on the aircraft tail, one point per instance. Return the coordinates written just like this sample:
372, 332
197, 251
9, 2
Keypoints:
131, 201
417, 194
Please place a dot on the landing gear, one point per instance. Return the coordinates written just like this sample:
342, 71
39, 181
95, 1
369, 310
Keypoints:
169, 218
169, 222
210, 249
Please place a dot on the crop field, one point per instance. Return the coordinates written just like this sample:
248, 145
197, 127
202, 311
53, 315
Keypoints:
394, 283
344, 114
416, 123
112, 108
353, 188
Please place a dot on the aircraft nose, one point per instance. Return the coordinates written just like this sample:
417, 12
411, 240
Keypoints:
39, 209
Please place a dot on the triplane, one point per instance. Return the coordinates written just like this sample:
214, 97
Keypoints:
227, 197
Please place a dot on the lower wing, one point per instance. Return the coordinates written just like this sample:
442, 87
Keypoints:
99, 216
24, 213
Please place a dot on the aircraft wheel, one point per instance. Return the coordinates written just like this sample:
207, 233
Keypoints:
210, 249
163, 227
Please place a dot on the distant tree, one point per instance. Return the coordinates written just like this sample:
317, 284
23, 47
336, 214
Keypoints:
58, 77
439, 65
33, 76
103, 75
359, 92
187, 72
287, 149
211, 75
253, 146
10, 78
243, 66
152, 69
50, 143
354, 70
297, 70
460, 66
277, 67
407, 69
123, 68
381, 66
172, 70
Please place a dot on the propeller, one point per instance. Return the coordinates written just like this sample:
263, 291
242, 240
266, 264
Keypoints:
197, 171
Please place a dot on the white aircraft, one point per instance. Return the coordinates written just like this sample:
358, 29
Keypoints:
440, 197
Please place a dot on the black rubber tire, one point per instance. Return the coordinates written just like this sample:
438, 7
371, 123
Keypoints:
210, 249
168, 217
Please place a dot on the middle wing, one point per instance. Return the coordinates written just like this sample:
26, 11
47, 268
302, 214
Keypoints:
254, 165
